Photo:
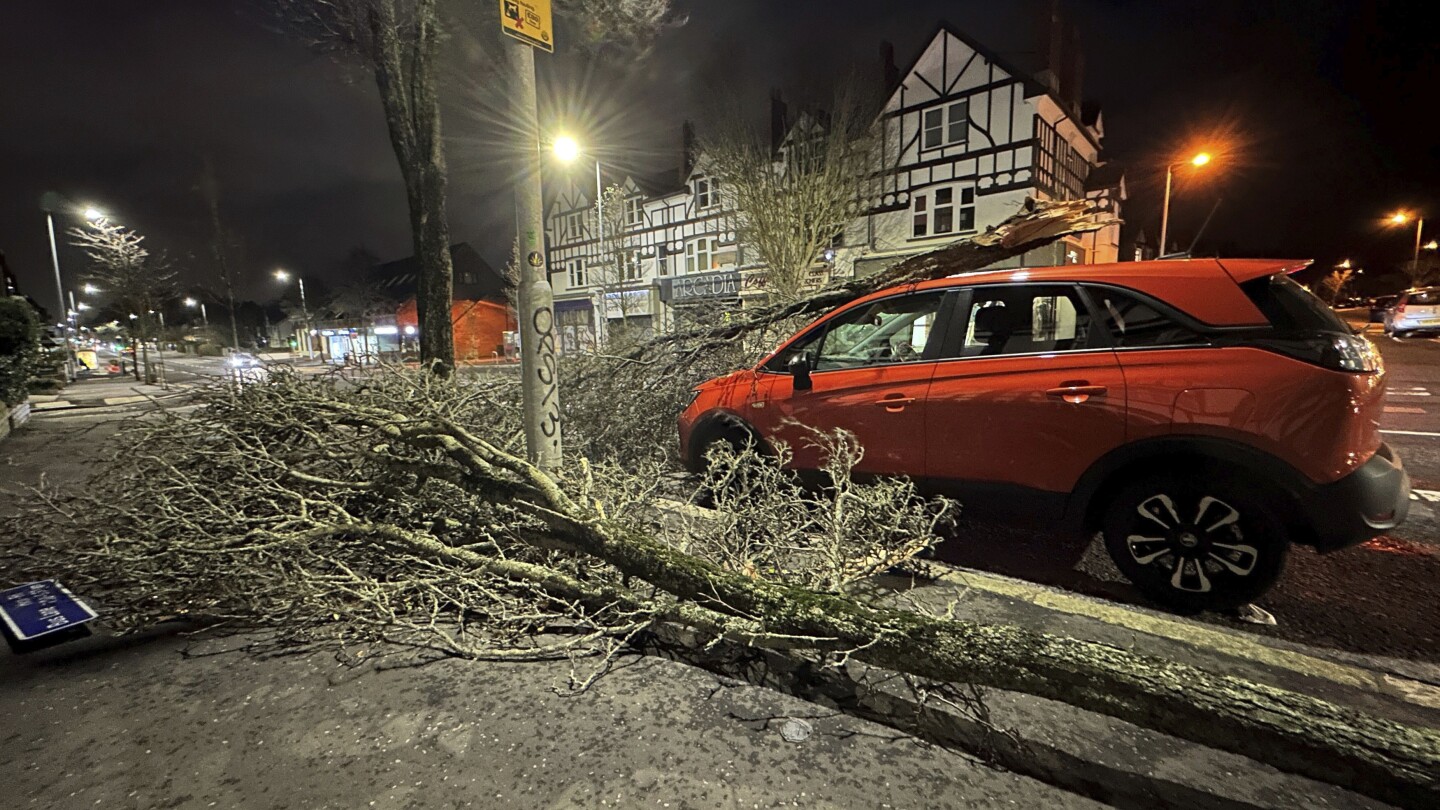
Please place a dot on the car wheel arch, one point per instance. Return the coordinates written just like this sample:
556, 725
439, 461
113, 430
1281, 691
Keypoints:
1112, 472
714, 425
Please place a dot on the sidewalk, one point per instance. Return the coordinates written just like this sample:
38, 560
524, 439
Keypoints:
102, 389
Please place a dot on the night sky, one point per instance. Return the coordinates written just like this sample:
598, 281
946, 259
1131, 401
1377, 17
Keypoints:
1320, 114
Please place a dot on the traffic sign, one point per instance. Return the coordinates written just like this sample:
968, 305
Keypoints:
528, 21
40, 608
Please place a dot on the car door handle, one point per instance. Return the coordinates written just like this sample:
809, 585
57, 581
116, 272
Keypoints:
1077, 393
894, 403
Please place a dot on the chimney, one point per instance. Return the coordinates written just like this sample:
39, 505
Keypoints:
687, 150
1072, 69
890, 73
779, 119
1052, 40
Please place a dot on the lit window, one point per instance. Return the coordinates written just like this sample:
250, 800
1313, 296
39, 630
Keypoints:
944, 126
630, 265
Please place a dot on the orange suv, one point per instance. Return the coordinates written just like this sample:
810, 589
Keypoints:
1201, 414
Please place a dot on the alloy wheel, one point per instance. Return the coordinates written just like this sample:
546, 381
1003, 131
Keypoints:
1199, 543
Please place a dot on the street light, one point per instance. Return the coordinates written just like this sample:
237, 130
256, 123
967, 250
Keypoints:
1197, 161
304, 310
204, 316
50, 203
567, 150
1402, 217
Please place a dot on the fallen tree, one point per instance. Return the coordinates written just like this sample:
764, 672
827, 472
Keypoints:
396, 510
383, 509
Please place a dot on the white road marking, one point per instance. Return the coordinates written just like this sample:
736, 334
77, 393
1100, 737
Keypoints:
1427, 494
1412, 433
1398, 409
1408, 394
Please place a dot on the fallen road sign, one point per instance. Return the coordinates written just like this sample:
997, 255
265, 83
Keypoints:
41, 608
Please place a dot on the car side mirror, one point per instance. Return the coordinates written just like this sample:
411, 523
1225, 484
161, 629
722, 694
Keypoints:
799, 368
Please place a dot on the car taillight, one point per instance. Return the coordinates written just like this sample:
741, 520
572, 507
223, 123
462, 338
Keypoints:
1330, 350
1400, 307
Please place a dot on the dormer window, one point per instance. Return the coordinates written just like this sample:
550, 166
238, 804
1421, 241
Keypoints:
946, 125
634, 212
706, 193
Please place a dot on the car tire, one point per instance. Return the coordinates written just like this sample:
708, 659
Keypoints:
1228, 554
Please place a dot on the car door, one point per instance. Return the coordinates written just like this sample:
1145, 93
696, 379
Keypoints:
871, 370
1028, 392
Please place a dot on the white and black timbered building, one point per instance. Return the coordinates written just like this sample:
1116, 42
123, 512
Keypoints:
964, 139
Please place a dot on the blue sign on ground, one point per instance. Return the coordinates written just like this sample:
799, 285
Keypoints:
40, 608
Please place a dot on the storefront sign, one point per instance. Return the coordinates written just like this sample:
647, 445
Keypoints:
702, 286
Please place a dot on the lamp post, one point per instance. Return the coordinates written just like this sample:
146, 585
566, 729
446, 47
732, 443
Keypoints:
304, 311
1199, 160
204, 316
568, 151
1402, 217
49, 203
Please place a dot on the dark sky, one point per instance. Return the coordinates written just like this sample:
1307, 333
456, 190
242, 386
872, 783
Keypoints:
1321, 114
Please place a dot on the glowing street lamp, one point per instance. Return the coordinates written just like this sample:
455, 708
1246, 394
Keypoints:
567, 150
1402, 217
1200, 159
304, 310
93, 214
204, 316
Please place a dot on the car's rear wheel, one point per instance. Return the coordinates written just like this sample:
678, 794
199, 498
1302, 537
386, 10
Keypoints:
1210, 541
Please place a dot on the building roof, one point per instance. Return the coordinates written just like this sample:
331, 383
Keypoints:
475, 279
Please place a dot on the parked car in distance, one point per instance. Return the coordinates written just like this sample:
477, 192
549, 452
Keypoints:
1202, 415
243, 360
1379, 305
1415, 310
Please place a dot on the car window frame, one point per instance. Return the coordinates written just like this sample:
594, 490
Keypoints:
1201, 329
1097, 338
944, 317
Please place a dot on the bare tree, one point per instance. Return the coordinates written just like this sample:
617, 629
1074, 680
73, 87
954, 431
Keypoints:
398, 42
1333, 284
127, 273
618, 266
792, 199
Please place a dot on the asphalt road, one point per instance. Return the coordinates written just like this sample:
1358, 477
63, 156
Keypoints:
1381, 598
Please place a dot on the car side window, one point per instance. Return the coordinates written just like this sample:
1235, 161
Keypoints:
891, 330
1134, 323
1025, 320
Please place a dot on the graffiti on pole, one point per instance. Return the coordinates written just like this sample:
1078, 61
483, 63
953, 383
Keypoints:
546, 371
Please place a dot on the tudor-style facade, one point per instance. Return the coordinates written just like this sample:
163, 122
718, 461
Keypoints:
964, 139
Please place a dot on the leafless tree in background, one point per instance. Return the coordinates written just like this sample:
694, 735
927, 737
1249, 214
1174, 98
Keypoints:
220, 240
130, 275
791, 201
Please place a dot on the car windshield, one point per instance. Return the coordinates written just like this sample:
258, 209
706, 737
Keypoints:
1290, 307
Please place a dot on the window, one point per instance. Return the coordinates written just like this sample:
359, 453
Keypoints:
1132, 322
577, 273
706, 193
700, 254
893, 330
1290, 307
630, 265
1025, 320
941, 210
574, 225
634, 212
947, 125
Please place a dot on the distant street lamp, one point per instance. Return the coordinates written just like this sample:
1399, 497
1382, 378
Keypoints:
1402, 217
204, 316
304, 310
1197, 161
50, 203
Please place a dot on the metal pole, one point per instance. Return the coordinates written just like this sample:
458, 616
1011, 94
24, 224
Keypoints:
60, 296
305, 310
540, 392
602, 315
205, 316
1419, 226
1165, 212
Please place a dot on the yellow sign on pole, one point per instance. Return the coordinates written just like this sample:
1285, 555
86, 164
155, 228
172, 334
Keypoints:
529, 22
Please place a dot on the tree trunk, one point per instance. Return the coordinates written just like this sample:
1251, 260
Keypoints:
404, 64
